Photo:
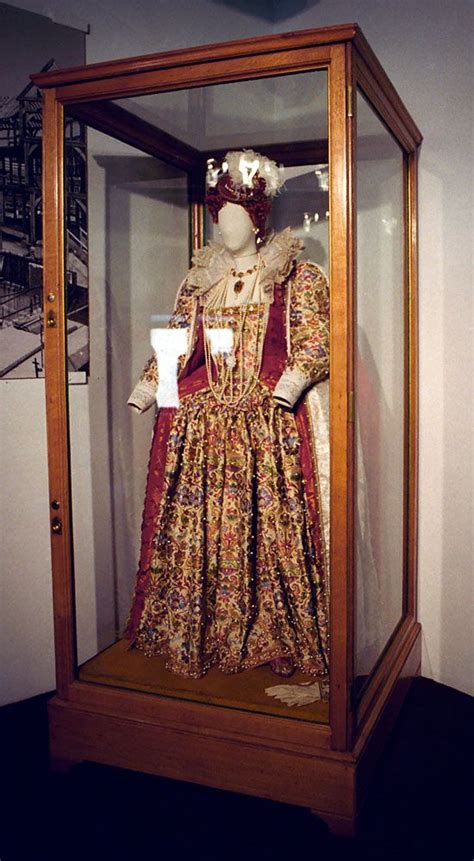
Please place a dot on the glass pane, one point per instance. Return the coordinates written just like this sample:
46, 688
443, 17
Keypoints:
132, 199
207, 491
379, 388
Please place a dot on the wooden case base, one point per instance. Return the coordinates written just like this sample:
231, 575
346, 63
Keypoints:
281, 759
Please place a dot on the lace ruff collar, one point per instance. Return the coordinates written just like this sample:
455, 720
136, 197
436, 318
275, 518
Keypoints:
211, 263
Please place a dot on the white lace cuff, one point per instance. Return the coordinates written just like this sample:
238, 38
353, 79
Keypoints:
290, 387
143, 396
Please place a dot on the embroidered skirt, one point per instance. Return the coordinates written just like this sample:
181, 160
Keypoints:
232, 570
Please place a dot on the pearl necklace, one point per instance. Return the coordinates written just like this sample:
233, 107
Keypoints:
226, 388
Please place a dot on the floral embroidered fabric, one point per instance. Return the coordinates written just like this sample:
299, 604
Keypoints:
235, 579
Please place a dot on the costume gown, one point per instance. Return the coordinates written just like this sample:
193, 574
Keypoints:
233, 563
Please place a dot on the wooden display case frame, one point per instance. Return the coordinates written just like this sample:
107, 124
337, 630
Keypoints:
324, 767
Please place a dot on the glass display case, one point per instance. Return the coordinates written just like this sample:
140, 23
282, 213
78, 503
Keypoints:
267, 492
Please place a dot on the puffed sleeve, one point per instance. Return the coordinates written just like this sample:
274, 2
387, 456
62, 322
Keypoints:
308, 331
144, 393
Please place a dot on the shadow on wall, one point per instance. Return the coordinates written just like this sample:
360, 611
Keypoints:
269, 10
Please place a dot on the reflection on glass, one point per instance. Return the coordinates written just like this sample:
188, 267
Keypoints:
287, 110
77, 250
168, 346
379, 388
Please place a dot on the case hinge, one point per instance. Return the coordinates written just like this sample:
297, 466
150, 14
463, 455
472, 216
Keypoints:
349, 101
351, 407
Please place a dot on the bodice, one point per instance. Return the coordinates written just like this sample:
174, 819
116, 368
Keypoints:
234, 338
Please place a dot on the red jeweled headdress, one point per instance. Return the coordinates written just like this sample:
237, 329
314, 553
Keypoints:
246, 178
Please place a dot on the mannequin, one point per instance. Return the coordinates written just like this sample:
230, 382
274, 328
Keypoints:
236, 229
233, 565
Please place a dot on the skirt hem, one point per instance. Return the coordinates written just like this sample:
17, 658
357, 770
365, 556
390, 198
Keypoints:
225, 666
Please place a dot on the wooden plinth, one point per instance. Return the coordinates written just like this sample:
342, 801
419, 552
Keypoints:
272, 757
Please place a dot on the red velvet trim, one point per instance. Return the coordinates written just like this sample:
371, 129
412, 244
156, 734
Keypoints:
307, 468
154, 490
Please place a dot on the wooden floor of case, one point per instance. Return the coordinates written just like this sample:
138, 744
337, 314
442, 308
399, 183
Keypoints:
122, 667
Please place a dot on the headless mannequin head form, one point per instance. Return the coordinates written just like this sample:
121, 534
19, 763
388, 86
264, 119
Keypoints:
237, 230
239, 195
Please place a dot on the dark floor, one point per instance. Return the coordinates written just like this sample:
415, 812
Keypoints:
418, 806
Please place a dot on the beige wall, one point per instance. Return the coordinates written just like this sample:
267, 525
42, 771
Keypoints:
26, 622
426, 48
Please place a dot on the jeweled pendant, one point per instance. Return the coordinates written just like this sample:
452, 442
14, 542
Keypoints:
238, 286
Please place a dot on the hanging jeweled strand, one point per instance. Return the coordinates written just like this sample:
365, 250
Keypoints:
239, 285
226, 377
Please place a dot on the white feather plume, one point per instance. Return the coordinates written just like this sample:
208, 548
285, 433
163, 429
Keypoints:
267, 169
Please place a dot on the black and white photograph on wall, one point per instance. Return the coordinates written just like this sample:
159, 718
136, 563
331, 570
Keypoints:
30, 43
